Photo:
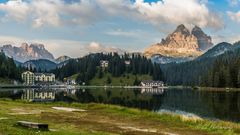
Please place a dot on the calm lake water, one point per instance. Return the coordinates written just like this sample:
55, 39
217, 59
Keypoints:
217, 105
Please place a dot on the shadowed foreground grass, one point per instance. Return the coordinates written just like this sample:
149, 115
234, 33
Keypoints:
103, 119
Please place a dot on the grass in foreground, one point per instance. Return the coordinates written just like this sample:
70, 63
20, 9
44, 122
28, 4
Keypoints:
103, 119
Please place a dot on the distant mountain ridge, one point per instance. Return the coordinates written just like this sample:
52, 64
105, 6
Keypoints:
40, 64
62, 59
217, 50
27, 52
182, 43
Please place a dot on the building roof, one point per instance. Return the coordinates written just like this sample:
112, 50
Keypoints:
46, 74
151, 81
27, 72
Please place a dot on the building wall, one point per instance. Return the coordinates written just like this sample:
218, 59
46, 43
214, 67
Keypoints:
28, 78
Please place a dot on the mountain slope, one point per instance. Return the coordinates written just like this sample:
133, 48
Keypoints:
62, 59
41, 64
27, 52
217, 50
157, 58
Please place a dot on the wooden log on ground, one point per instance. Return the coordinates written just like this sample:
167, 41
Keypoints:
40, 126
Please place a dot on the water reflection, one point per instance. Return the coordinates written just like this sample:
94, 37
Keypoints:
139, 98
152, 91
210, 104
37, 95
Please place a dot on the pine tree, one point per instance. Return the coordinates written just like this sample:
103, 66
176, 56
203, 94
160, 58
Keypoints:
109, 80
100, 73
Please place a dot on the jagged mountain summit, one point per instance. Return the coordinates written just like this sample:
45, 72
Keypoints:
182, 43
204, 41
27, 52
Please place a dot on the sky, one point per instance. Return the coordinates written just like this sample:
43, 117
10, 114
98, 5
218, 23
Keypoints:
77, 27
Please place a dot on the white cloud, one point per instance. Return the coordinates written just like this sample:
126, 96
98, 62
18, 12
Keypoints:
17, 10
233, 2
235, 16
46, 12
58, 12
120, 32
96, 47
178, 12
223, 38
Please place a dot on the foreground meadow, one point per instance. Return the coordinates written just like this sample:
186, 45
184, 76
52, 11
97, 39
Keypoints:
102, 119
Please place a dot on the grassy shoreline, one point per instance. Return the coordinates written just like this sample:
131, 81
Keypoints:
104, 119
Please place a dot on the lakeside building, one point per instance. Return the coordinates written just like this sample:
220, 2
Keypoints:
127, 62
44, 77
30, 78
104, 63
70, 81
150, 83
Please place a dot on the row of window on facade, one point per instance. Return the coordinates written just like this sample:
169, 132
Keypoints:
150, 83
105, 63
30, 78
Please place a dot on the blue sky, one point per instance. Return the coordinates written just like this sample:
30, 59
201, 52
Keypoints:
74, 27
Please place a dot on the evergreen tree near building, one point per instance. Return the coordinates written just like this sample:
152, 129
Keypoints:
109, 80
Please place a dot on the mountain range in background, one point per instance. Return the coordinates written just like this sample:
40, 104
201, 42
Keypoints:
33, 55
27, 52
180, 46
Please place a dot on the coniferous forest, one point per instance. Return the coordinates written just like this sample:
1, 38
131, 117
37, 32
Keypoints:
220, 71
8, 69
225, 71
87, 67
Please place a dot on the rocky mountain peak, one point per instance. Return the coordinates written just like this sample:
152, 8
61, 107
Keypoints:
7, 46
27, 52
204, 41
39, 46
24, 46
197, 29
182, 29
182, 43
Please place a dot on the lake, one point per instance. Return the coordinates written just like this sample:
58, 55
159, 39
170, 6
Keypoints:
214, 105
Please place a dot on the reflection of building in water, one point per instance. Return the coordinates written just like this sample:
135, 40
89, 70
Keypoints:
69, 92
38, 95
153, 91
